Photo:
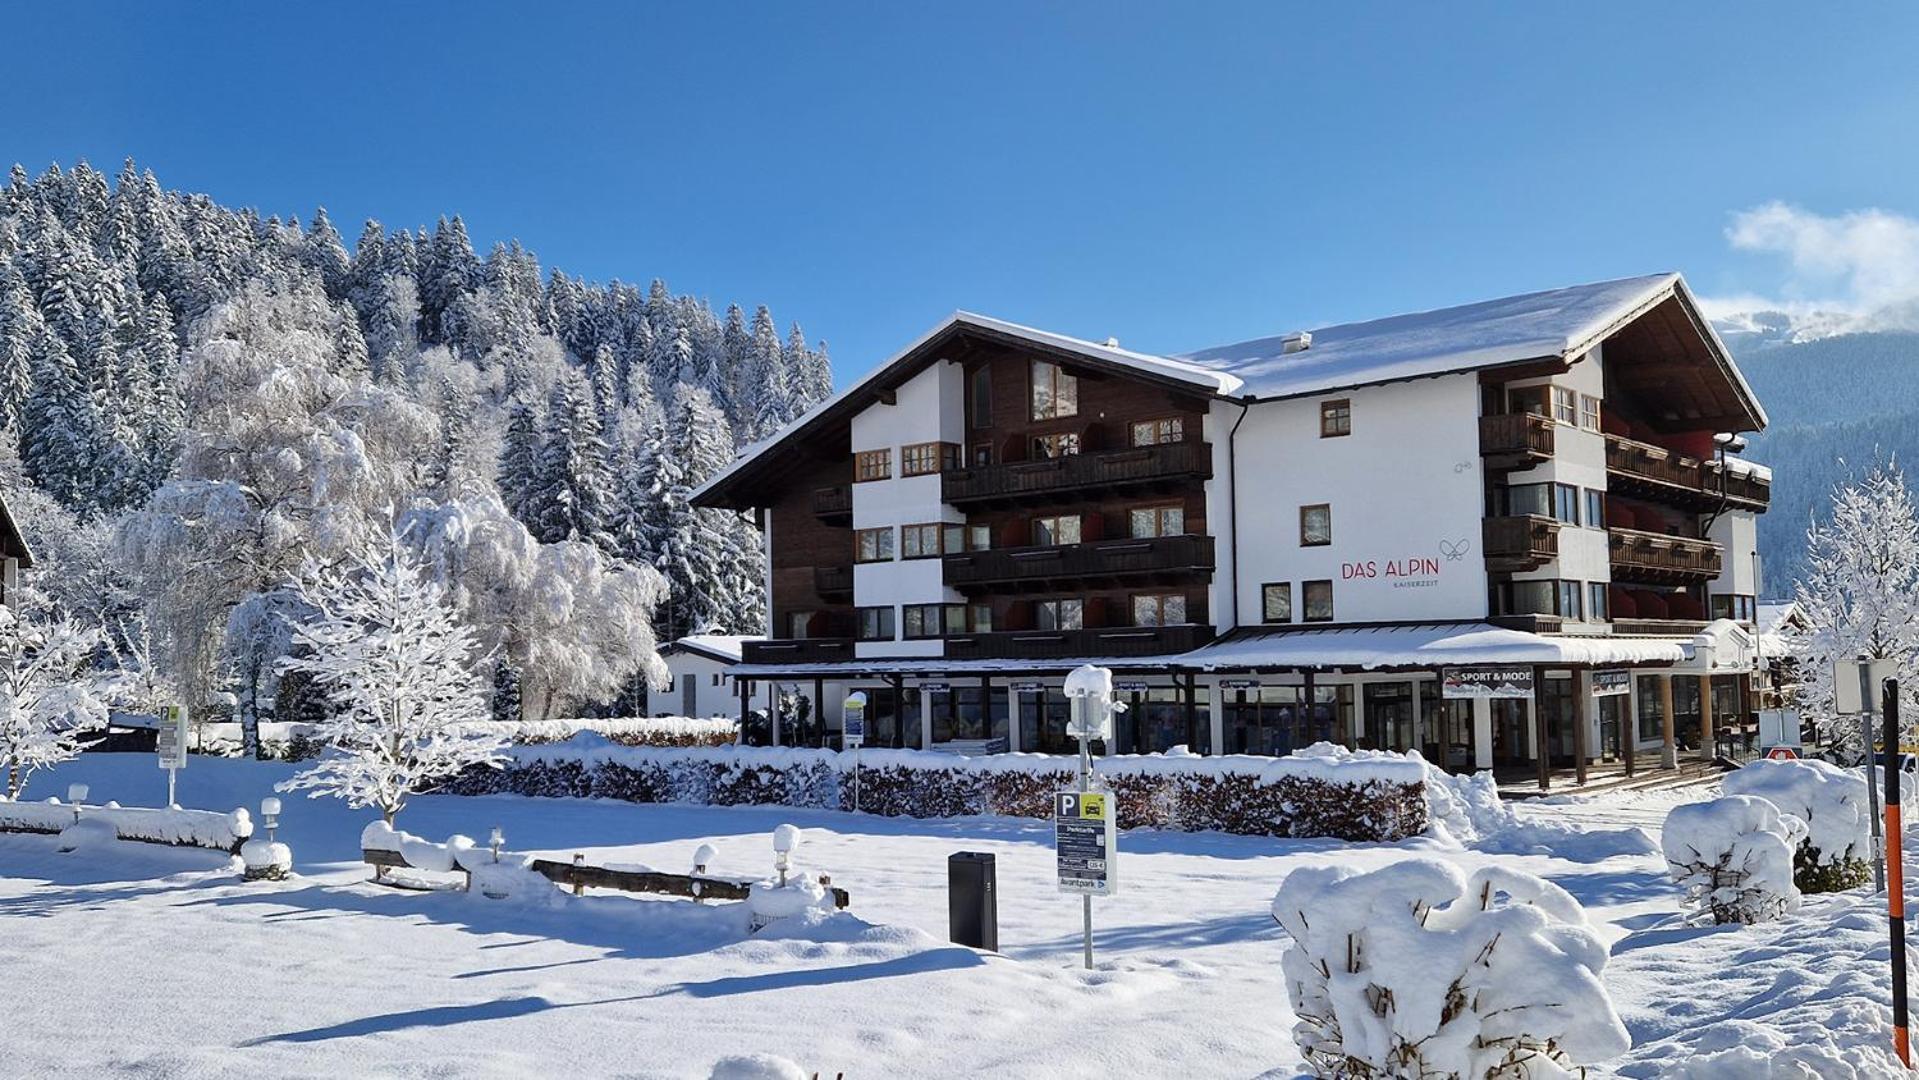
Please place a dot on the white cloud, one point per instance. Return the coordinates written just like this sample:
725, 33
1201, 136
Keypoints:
1846, 272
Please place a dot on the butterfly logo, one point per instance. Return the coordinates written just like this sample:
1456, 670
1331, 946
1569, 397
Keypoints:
1455, 550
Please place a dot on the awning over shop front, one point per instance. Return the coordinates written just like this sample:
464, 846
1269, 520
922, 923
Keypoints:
1428, 647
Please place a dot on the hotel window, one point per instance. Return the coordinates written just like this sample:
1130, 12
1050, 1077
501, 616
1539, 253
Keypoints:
1335, 418
919, 541
921, 621
876, 623
1055, 393
1319, 601
1527, 399
1159, 609
1569, 600
1598, 602
1158, 432
1315, 525
1733, 606
872, 465
983, 396
1276, 601
924, 459
1059, 614
1566, 503
982, 453
967, 538
979, 619
1589, 412
1056, 531
1595, 508
1565, 405
1057, 445
1147, 522
873, 545
797, 623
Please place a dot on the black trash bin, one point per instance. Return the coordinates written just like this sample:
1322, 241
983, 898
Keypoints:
972, 900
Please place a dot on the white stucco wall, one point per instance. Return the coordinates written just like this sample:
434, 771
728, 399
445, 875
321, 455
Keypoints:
1579, 459
1737, 532
1405, 490
709, 699
1218, 428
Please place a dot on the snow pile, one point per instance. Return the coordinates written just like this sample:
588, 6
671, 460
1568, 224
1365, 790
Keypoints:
621, 730
1837, 810
1732, 858
1467, 807
181, 828
88, 833
1806, 996
757, 1067
266, 860
1415, 970
770, 901
419, 853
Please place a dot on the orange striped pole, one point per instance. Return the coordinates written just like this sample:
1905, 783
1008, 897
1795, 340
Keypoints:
1895, 874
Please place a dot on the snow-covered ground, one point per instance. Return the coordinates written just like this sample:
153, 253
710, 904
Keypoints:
143, 961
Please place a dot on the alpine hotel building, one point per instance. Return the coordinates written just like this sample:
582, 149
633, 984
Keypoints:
1510, 533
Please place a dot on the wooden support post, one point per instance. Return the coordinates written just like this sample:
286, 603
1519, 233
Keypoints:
899, 710
1582, 711
1542, 741
1192, 712
819, 708
1668, 725
1629, 722
745, 687
1705, 718
985, 707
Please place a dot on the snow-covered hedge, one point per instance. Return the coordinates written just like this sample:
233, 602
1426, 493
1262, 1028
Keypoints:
1321, 791
1837, 810
1733, 858
180, 828
622, 730
1415, 970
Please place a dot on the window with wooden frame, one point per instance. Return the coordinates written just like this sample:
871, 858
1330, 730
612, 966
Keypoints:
1565, 405
1159, 609
1335, 418
1058, 444
958, 538
979, 618
1315, 525
1056, 531
1055, 393
1148, 522
1063, 614
981, 390
1589, 412
875, 623
921, 621
797, 623
920, 541
1598, 601
1159, 432
873, 465
1571, 600
924, 459
1276, 602
1318, 596
873, 545
1528, 399
982, 453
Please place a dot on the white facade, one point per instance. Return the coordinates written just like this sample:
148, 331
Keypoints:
702, 687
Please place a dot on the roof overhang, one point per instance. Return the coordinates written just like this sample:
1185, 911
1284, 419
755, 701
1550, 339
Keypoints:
12, 543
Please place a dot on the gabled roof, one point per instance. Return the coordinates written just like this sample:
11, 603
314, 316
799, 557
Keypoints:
726, 648
924, 350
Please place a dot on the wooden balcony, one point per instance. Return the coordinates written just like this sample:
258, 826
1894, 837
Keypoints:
1114, 641
1521, 543
1657, 627
797, 650
1655, 473
1515, 440
1657, 559
1532, 624
833, 581
1134, 470
1164, 558
833, 503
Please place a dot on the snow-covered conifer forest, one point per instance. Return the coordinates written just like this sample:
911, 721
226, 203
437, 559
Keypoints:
202, 398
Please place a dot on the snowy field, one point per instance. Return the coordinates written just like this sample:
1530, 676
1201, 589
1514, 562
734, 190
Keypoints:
134, 960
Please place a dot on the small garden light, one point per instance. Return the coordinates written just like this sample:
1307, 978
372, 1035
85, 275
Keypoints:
76, 794
703, 857
496, 841
270, 814
785, 839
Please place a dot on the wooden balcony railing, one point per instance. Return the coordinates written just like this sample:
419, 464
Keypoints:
831, 502
1515, 440
1108, 470
1039, 567
1090, 644
832, 580
797, 650
1520, 543
1653, 472
1640, 556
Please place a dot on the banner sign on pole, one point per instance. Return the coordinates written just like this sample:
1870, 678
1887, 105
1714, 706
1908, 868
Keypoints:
853, 721
1609, 683
1486, 682
1085, 840
170, 741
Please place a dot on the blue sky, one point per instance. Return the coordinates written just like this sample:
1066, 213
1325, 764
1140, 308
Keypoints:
1177, 175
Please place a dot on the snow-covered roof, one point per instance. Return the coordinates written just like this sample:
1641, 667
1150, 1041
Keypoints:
1558, 323
1428, 646
1773, 617
726, 647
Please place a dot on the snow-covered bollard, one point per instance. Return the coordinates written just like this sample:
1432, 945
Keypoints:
1415, 970
265, 860
788, 894
1733, 857
785, 839
1836, 807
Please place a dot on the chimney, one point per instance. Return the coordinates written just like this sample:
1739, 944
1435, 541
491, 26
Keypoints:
1297, 341
1112, 343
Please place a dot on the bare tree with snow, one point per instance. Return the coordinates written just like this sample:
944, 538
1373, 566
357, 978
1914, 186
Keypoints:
49, 701
400, 671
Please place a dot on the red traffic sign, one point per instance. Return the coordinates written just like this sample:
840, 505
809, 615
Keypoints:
1782, 753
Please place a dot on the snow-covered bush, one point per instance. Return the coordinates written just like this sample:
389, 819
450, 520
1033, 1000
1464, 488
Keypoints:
1414, 970
1733, 858
621, 730
49, 703
267, 860
1366, 796
1836, 807
177, 827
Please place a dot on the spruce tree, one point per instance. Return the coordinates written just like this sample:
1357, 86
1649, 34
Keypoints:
571, 496
520, 460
